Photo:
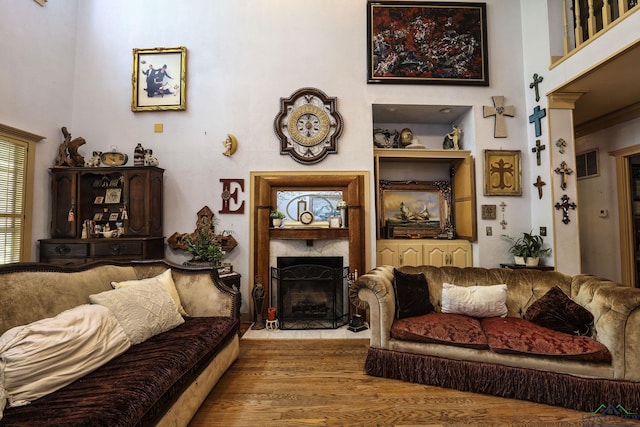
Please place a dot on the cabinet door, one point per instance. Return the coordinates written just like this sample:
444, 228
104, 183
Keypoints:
409, 254
460, 254
64, 188
464, 201
387, 253
435, 254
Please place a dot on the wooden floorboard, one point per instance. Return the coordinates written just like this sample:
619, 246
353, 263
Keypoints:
322, 383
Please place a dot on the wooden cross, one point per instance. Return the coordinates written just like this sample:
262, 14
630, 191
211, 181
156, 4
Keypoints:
502, 168
534, 84
539, 183
535, 118
565, 206
499, 110
537, 149
563, 170
561, 143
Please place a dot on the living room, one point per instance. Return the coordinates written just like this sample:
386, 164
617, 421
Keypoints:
71, 65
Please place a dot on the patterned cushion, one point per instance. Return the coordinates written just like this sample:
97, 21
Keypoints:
441, 328
555, 310
515, 335
412, 294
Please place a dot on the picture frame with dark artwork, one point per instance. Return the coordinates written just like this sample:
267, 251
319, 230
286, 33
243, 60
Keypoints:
159, 79
427, 43
415, 209
502, 173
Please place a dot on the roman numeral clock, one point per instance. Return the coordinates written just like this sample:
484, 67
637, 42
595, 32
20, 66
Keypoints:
308, 125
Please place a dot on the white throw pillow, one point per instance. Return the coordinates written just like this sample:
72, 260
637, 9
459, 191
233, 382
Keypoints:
165, 279
143, 309
46, 355
475, 301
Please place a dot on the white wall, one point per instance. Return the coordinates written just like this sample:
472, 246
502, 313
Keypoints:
37, 47
242, 57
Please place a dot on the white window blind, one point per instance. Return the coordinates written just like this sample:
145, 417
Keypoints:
13, 169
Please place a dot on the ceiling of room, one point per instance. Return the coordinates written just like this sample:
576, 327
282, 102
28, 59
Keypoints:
610, 87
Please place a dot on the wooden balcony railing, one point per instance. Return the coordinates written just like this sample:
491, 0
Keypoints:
585, 19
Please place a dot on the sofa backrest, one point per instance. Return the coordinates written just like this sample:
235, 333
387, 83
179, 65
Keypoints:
29, 292
524, 286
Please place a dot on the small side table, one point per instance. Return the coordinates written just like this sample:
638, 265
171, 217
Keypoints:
537, 267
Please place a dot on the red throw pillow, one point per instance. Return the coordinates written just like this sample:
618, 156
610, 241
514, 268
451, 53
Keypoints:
555, 310
412, 294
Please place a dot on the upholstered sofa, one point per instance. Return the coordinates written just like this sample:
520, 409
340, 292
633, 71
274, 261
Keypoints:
160, 378
519, 358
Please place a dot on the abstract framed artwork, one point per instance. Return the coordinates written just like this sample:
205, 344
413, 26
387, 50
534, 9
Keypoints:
427, 43
502, 173
159, 79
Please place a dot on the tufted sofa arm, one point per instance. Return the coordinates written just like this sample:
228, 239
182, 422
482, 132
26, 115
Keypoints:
616, 318
375, 291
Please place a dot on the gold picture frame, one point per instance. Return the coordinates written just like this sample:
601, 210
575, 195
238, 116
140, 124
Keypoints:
159, 79
502, 173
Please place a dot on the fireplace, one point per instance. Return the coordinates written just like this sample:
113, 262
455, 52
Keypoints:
310, 292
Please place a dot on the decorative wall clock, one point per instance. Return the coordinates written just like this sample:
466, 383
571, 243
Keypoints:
308, 125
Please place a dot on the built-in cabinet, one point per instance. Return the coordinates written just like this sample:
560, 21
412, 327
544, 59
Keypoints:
439, 253
395, 165
129, 199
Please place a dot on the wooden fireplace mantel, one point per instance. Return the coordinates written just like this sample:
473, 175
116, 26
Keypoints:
264, 186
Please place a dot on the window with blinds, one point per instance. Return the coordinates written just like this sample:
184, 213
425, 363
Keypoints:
13, 169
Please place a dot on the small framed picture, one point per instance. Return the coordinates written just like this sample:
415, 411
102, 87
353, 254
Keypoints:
112, 195
114, 216
502, 173
98, 200
97, 216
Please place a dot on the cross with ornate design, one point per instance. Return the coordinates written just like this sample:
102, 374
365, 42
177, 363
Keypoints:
563, 170
534, 84
565, 206
561, 144
537, 149
535, 118
499, 110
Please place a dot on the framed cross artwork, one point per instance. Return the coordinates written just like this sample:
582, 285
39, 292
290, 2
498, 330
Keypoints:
502, 173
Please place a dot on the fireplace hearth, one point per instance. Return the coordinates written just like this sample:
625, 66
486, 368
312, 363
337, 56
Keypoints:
310, 292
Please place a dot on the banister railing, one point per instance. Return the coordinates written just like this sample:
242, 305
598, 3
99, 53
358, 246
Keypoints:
585, 19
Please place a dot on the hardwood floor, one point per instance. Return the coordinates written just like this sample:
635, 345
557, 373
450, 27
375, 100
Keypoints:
322, 383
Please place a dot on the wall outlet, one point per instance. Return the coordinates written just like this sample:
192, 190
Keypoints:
543, 231
489, 231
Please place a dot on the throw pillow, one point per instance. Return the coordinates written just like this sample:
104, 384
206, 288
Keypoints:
143, 309
555, 310
475, 301
46, 355
165, 279
412, 294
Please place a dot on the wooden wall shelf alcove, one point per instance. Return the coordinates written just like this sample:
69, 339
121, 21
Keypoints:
264, 185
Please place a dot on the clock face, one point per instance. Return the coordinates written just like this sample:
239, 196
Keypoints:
308, 125
306, 217
112, 158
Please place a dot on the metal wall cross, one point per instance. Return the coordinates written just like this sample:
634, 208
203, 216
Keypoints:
563, 170
561, 144
537, 149
535, 118
499, 110
565, 206
534, 84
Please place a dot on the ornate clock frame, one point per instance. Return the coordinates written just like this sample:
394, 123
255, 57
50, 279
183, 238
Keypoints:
308, 125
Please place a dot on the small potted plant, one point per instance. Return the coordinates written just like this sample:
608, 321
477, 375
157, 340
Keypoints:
527, 249
276, 218
204, 248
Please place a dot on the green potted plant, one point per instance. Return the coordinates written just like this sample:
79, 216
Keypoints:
527, 249
204, 248
276, 218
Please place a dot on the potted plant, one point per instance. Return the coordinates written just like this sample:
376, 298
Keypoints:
527, 249
276, 218
204, 248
